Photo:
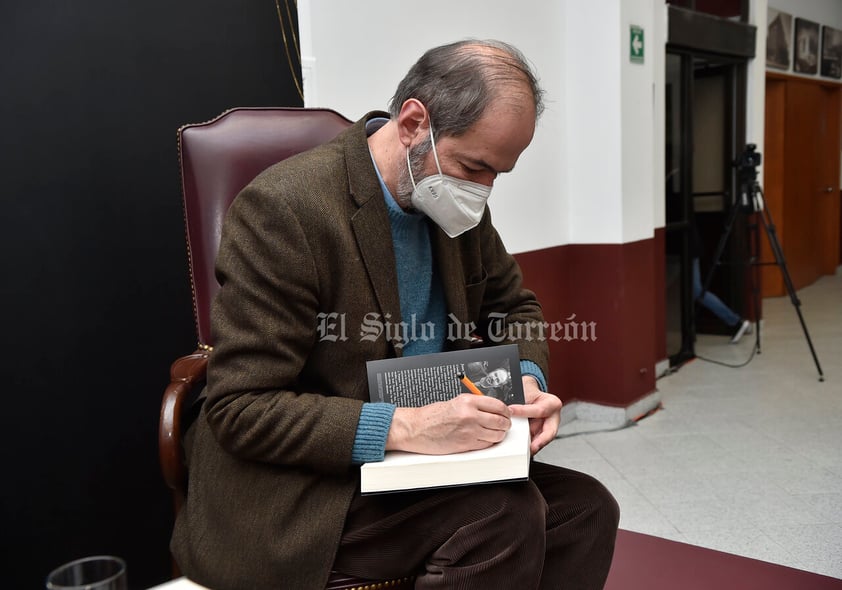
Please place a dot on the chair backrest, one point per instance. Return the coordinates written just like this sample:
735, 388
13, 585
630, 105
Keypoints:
218, 159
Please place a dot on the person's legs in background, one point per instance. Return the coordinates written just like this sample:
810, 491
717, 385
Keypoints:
717, 306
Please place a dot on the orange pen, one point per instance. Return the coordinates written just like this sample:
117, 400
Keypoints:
469, 384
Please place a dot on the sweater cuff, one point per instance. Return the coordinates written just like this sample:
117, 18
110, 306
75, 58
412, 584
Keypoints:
372, 430
533, 370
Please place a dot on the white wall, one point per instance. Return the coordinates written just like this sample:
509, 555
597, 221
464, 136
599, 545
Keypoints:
756, 80
588, 175
594, 174
825, 12
638, 116
615, 121
659, 30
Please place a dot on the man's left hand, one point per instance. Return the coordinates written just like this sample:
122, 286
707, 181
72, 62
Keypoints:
544, 413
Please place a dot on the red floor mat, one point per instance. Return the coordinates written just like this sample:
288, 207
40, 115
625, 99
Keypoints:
643, 562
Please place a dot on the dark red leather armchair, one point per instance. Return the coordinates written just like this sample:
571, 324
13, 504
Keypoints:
218, 158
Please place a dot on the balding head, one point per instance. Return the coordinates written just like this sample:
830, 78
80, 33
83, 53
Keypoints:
458, 82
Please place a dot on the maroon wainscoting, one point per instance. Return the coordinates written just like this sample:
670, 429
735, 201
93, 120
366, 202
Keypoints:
602, 300
659, 296
545, 273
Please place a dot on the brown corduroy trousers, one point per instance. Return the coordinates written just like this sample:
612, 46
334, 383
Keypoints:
554, 531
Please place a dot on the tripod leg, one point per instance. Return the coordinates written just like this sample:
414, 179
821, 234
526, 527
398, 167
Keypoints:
769, 226
756, 280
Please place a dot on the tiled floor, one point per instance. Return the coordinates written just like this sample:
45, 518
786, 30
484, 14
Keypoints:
744, 460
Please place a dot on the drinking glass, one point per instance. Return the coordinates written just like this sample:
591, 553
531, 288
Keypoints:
100, 572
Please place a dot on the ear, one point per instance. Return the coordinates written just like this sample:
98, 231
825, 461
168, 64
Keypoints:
413, 122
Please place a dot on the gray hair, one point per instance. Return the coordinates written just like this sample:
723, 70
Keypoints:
458, 81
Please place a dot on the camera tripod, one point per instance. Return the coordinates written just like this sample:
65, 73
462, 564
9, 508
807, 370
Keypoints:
751, 192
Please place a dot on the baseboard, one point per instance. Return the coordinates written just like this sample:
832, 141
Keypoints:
662, 367
579, 417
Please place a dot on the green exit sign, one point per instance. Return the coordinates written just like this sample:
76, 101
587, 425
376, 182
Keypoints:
636, 44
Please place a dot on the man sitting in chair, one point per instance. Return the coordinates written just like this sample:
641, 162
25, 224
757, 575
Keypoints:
388, 220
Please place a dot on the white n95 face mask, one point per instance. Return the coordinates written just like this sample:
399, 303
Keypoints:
455, 205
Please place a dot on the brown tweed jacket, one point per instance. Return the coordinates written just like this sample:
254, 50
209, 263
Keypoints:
305, 261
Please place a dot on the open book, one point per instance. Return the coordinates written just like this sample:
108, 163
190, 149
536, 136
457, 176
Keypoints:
423, 379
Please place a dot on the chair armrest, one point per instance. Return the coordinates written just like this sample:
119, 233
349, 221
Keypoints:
187, 376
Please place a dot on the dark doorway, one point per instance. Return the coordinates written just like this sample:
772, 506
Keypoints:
708, 47
704, 119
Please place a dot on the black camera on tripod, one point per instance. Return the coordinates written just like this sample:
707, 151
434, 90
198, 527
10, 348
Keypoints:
746, 164
749, 159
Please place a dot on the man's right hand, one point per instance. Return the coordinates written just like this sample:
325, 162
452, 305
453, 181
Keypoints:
464, 423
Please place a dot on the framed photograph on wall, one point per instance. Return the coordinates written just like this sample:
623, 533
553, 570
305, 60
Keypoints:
778, 39
831, 52
806, 46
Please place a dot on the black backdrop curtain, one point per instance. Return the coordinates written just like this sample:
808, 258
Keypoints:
94, 292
